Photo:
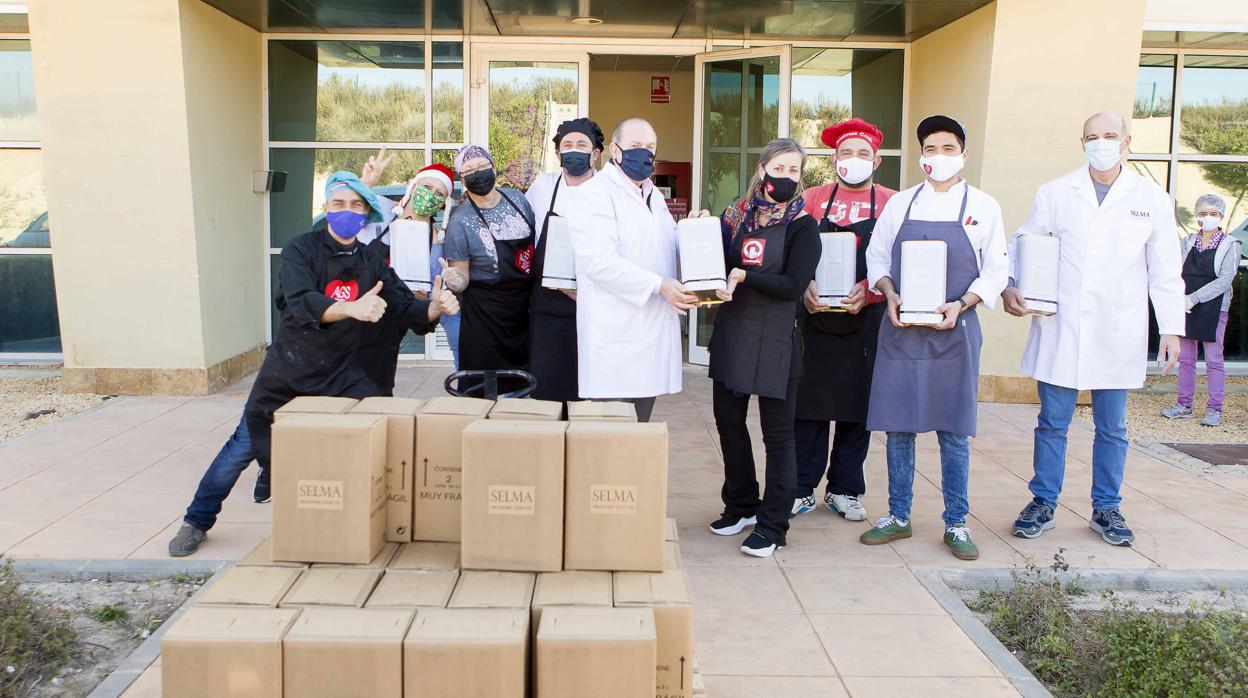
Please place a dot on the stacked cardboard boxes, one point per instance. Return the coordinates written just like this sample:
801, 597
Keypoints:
439, 462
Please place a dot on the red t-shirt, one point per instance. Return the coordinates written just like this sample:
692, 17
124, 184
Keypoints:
850, 207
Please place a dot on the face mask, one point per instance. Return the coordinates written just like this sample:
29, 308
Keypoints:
426, 202
574, 162
854, 170
480, 183
780, 189
1103, 154
941, 168
346, 224
637, 163
1209, 223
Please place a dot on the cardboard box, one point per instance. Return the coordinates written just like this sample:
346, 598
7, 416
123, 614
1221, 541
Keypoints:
414, 589
426, 556
527, 410
332, 586
670, 530
400, 459
570, 588
671, 556
250, 586
488, 589
329, 488
216, 652
380, 561
513, 496
603, 652
314, 404
595, 411
335, 652
616, 507
667, 594
466, 653
262, 556
439, 460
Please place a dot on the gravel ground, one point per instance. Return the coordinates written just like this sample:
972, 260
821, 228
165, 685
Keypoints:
1145, 423
22, 396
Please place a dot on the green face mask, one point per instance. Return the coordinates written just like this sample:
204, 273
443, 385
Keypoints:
426, 202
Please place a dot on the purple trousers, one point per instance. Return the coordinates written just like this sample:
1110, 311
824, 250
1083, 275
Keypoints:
1214, 371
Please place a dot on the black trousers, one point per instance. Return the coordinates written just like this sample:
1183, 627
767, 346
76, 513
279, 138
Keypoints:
740, 492
844, 466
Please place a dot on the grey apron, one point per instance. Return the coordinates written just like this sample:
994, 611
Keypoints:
927, 379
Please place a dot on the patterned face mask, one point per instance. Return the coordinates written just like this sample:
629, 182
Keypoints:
426, 202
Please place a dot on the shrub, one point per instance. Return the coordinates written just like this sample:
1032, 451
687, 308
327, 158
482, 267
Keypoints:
36, 639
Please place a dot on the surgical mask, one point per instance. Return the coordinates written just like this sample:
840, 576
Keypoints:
942, 168
637, 163
480, 182
854, 171
1209, 223
1103, 154
426, 202
574, 162
346, 224
780, 189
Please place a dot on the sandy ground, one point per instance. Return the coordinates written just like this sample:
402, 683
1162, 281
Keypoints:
27, 392
1145, 423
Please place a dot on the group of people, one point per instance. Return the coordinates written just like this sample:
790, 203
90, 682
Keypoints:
618, 335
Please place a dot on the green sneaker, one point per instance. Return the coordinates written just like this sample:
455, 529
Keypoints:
886, 530
958, 538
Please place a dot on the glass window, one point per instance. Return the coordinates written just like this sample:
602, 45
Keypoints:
448, 92
18, 119
23, 207
1154, 105
1228, 180
528, 101
28, 319
831, 85
347, 91
1214, 117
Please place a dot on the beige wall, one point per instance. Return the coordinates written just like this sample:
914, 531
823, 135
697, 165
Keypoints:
618, 95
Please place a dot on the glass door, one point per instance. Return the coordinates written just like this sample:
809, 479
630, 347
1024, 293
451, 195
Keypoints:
741, 103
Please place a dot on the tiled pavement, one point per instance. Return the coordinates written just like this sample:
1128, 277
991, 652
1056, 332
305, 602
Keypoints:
825, 617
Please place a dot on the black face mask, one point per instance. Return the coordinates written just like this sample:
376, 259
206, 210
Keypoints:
480, 182
574, 162
780, 189
637, 163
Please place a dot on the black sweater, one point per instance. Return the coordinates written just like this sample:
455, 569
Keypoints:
801, 255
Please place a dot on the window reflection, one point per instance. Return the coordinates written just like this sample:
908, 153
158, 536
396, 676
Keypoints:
831, 85
23, 222
1214, 117
18, 119
448, 92
1154, 105
528, 101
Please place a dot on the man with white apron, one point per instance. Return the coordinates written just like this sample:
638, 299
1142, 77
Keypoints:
927, 378
552, 312
840, 346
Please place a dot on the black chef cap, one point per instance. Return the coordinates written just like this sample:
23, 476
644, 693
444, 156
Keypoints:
939, 123
582, 125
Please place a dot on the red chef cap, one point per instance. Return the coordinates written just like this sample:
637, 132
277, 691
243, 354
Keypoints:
833, 136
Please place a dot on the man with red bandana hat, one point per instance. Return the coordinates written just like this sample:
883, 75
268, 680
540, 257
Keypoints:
840, 346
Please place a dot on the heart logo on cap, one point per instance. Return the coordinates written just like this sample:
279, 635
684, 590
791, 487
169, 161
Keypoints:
345, 291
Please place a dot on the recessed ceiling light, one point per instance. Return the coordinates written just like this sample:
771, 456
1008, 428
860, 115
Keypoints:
587, 21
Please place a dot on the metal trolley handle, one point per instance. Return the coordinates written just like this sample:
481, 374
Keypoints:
488, 386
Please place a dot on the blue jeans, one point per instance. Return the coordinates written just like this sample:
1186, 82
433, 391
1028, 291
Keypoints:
955, 466
450, 323
217, 482
1109, 448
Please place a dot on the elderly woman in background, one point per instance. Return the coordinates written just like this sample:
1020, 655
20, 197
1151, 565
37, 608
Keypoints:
1210, 262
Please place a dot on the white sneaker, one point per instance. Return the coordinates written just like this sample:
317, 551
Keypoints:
847, 505
801, 505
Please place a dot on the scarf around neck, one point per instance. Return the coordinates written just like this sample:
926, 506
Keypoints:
754, 211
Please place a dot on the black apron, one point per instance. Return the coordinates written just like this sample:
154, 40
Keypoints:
754, 345
552, 334
1202, 320
494, 332
839, 348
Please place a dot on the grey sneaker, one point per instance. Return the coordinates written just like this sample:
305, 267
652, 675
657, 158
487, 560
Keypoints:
1213, 418
187, 541
1177, 412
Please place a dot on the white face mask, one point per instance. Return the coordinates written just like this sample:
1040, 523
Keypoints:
1103, 154
1209, 223
854, 170
942, 168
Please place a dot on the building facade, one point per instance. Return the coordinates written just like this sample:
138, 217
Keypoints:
133, 246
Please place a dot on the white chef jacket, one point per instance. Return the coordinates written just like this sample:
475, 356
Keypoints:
624, 240
1129, 247
539, 198
982, 223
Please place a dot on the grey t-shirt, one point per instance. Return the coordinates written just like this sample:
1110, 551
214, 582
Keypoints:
1102, 190
467, 238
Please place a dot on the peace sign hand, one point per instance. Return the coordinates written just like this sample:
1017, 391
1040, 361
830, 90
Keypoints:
376, 164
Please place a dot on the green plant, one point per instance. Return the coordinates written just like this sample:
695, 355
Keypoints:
111, 613
36, 639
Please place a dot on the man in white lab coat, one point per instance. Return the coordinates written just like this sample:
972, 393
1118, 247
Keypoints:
627, 301
1119, 248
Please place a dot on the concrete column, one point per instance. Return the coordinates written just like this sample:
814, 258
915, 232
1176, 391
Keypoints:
150, 112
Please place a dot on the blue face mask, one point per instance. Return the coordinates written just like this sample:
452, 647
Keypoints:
346, 224
637, 163
574, 162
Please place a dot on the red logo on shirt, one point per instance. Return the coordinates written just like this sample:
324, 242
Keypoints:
524, 259
752, 251
343, 290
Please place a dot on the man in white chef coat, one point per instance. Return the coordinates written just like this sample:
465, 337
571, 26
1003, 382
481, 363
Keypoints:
628, 302
1118, 249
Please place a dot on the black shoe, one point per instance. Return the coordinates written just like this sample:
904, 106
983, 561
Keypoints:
758, 545
187, 541
731, 524
262, 492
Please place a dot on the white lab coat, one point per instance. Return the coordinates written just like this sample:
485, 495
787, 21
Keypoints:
1115, 256
628, 336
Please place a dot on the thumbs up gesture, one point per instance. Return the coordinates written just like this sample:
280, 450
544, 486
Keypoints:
452, 277
370, 306
442, 301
